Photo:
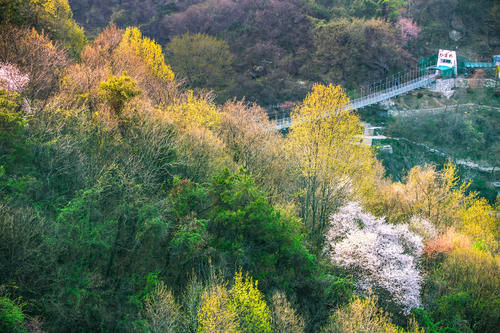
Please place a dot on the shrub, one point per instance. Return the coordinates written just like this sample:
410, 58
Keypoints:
11, 316
239, 309
203, 60
479, 224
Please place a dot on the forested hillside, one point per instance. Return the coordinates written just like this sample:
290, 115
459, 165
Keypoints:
274, 50
133, 200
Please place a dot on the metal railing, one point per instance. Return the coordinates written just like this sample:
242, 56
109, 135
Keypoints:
395, 90
376, 93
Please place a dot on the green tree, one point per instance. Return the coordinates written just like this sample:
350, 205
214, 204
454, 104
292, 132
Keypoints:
250, 232
204, 61
97, 237
391, 8
364, 8
56, 17
14, 11
341, 56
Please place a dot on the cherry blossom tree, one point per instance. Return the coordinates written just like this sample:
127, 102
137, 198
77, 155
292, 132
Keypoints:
12, 79
408, 29
382, 257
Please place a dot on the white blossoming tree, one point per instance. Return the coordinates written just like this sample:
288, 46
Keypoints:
12, 79
381, 257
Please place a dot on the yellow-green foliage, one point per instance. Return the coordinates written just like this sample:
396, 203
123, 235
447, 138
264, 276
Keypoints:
203, 60
314, 135
149, 51
427, 192
479, 223
323, 135
57, 18
11, 123
216, 313
11, 316
324, 142
10, 119
116, 91
465, 290
472, 270
11, 11
252, 310
439, 197
241, 309
194, 112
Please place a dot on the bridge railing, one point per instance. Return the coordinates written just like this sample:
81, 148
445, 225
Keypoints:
377, 92
418, 80
392, 91
395, 80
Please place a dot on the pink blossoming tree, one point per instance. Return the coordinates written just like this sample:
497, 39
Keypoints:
408, 29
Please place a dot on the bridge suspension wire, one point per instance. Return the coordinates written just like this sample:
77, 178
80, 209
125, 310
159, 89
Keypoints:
379, 91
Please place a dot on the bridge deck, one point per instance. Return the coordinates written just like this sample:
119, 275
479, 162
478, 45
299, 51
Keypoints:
378, 97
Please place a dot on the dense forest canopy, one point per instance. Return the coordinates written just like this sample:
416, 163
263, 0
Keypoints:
280, 47
133, 198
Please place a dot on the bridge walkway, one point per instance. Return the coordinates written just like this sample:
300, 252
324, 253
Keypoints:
393, 91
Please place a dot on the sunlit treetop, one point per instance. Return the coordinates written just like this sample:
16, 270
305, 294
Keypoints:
193, 111
56, 17
150, 52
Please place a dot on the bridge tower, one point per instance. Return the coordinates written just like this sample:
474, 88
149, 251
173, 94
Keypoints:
447, 63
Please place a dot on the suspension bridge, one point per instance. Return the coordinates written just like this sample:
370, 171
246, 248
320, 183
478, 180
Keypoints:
381, 92
447, 65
